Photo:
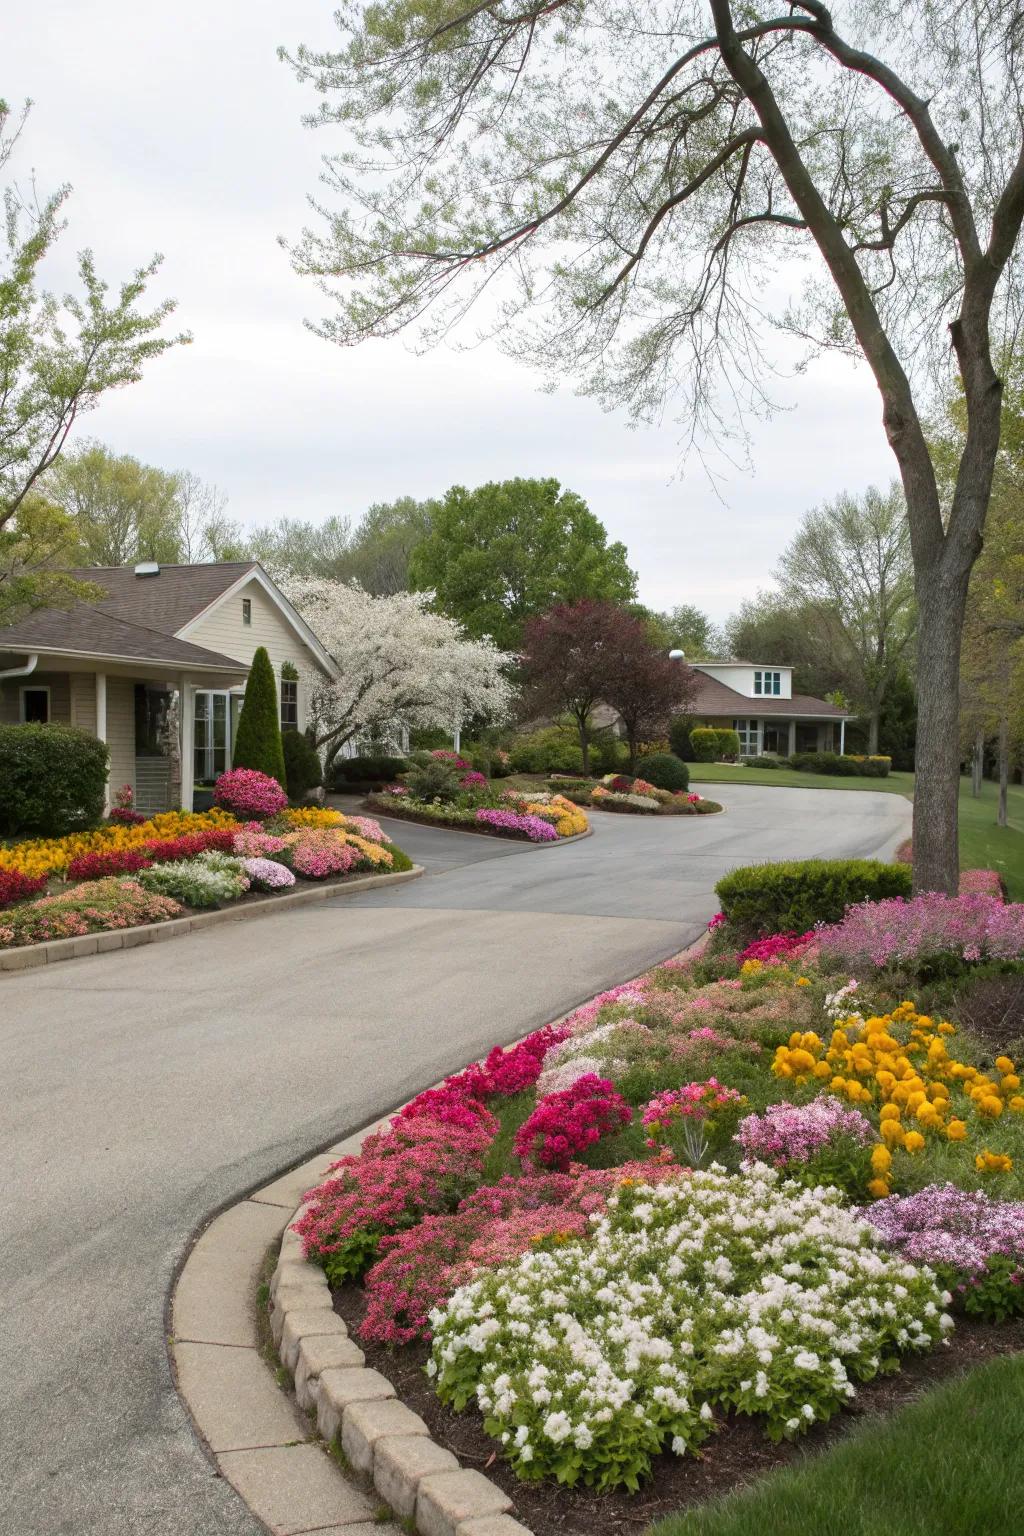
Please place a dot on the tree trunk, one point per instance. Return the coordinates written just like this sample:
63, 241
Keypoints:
978, 763
633, 743
937, 757
1002, 819
873, 730
584, 746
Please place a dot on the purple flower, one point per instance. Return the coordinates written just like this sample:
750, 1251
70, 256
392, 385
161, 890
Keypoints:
267, 874
533, 827
942, 1224
793, 1133
969, 927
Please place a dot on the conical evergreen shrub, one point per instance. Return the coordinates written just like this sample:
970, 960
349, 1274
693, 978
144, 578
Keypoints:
258, 742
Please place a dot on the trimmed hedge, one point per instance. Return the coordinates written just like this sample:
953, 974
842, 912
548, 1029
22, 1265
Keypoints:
302, 767
793, 896
848, 765
708, 743
663, 771
548, 751
53, 780
348, 772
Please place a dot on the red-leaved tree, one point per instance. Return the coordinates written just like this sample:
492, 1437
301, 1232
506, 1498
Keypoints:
647, 688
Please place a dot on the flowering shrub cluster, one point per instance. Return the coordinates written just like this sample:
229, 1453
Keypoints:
974, 1243
299, 817
123, 808
15, 886
44, 856
693, 1298
777, 947
566, 1123
253, 842
793, 1133
416, 1167
249, 794
927, 929
96, 906
985, 882
119, 861
267, 874
319, 855
163, 849
204, 881
696, 1109
519, 824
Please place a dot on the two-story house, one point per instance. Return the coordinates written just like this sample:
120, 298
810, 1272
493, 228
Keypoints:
156, 667
757, 701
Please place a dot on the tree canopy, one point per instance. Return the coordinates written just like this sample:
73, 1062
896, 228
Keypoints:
499, 555
627, 181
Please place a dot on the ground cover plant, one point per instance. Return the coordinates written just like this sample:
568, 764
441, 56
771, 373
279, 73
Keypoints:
738, 1188
95, 906
444, 789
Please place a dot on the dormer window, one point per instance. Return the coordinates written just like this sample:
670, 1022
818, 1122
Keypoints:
768, 684
246, 610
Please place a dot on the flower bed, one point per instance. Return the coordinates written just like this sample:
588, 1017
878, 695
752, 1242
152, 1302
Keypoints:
619, 792
736, 1187
541, 818
96, 906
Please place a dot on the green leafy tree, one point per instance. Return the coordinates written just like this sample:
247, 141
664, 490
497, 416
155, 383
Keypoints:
685, 628
384, 542
37, 546
59, 356
627, 182
258, 738
122, 510
508, 551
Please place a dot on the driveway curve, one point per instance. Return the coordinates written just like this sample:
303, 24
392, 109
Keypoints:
146, 1088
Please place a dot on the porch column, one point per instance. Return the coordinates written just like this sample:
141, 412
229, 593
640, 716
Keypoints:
457, 740
842, 737
101, 728
792, 737
186, 725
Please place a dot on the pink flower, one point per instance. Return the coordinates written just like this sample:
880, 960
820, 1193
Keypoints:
249, 794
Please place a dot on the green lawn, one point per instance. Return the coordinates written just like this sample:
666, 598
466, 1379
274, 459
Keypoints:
788, 778
947, 1465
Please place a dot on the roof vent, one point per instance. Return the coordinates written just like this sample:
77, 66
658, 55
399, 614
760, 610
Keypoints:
147, 568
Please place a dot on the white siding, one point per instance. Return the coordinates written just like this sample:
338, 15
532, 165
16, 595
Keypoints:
742, 678
223, 630
121, 732
57, 682
83, 700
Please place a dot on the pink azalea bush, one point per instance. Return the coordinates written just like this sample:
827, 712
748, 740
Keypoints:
367, 827
986, 882
96, 906
567, 1122
123, 809
928, 928
251, 842
249, 794
267, 874
793, 1133
777, 948
518, 823
693, 1101
320, 853
415, 1168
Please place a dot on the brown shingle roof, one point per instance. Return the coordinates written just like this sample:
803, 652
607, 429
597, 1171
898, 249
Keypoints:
167, 601
85, 630
716, 698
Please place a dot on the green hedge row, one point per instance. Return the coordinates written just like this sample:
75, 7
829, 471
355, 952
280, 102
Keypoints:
793, 896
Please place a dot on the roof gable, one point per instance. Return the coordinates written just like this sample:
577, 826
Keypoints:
166, 601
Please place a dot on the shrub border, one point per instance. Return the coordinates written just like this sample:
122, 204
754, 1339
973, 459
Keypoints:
23, 957
476, 831
215, 1304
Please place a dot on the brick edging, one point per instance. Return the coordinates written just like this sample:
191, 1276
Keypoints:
26, 956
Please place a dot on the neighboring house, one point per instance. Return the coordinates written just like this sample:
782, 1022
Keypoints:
156, 667
757, 701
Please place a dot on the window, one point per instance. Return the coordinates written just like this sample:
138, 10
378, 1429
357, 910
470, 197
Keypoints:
289, 704
748, 733
35, 706
768, 683
210, 745
246, 610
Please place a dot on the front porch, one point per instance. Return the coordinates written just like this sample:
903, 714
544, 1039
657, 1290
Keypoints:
777, 736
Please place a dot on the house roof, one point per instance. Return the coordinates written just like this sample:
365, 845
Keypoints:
165, 601
89, 631
713, 697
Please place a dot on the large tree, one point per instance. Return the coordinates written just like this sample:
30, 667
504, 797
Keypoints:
637, 174
648, 688
59, 355
571, 657
507, 551
123, 510
399, 664
849, 569
684, 628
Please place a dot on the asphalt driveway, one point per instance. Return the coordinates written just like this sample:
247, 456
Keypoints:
144, 1089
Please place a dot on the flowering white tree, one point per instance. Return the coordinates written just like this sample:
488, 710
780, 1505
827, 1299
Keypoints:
400, 664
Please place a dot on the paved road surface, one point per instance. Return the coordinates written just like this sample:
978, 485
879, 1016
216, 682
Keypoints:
144, 1088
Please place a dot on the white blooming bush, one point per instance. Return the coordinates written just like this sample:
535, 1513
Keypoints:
714, 1293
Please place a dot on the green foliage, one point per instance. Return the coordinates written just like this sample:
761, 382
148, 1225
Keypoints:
400, 860
552, 750
664, 771
347, 772
434, 779
793, 896
37, 546
848, 765
679, 737
258, 740
205, 881
608, 754
52, 779
303, 770
59, 356
505, 552
122, 510
708, 743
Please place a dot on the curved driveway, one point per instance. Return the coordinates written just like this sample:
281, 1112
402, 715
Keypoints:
144, 1088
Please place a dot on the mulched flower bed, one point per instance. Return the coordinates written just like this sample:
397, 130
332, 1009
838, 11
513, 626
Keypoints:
738, 1455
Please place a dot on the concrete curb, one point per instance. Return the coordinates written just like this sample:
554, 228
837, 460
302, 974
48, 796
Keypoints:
29, 955
263, 1440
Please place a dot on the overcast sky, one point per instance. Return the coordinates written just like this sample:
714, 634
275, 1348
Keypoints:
180, 132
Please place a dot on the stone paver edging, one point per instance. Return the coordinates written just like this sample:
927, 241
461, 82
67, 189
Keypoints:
264, 1440
25, 956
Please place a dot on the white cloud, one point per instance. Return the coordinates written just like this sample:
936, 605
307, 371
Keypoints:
180, 132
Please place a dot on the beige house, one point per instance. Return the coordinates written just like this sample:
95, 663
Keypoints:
156, 667
757, 701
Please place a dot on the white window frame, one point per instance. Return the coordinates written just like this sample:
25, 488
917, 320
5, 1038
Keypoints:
772, 679
291, 682
247, 611
748, 731
34, 688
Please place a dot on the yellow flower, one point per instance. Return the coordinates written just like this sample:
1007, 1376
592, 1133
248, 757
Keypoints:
988, 1104
881, 1159
1004, 1064
892, 1133
878, 1188
1017, 1104
913, 1141
956, 1130
889, 1112
993, 1162
802, 981
1010, 1081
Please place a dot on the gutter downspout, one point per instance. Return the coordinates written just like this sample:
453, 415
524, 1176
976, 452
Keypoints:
30, 666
